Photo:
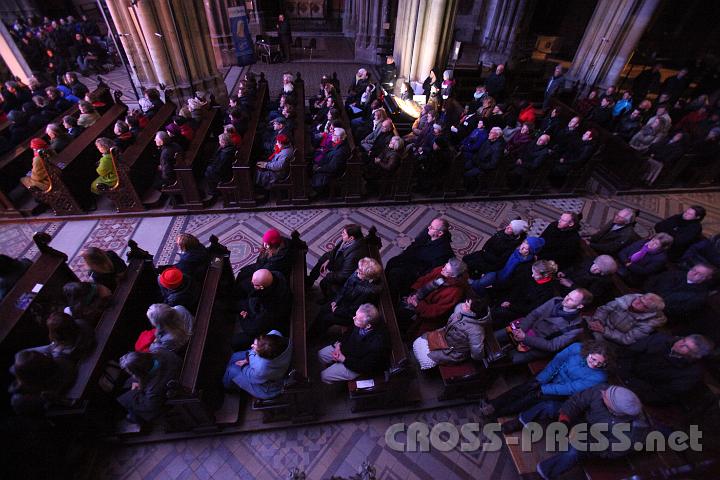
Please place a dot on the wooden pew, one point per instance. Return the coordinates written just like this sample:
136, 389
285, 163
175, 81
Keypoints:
296, 402
188, 165
239, 191
115, 335
27, 305
348, 187
207, 353
393, 388
294, 190
136, 166
18, 161
77, 162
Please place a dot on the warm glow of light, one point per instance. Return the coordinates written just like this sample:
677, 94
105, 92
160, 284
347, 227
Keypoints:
408, 106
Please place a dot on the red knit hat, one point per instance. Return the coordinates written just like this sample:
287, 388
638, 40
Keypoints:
283, 139
272, 237
38, 143
171, 278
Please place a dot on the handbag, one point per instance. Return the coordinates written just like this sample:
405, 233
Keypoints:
145, 339
436, 340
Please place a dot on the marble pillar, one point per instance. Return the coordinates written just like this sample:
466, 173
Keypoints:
503, 23
423, 34
609, 41
220, 37
368, 18
10, 53
168, 42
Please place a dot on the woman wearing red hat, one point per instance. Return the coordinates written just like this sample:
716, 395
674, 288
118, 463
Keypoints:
274, 255
277, 167
179, 289
38, 176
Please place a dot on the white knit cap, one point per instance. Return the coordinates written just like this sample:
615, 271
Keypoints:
519, 226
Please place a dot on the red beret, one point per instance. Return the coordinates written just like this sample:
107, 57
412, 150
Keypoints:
283, 139
171, 278
272, 237
38, 143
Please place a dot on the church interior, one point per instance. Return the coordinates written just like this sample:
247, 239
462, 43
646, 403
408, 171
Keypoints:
360, 239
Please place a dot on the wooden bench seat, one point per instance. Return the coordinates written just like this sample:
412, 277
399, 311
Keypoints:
295, 189
393, 388
190, 166
296, 402
17, 162
136, 166
115, 335
27, 305
239, 191
207, 352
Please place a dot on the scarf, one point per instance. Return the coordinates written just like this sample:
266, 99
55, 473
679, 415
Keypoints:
640, 254
275, 151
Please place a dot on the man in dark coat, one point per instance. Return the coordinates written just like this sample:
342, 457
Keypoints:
594, 275
220, 166
530, 159
495, 83
685, 228
430, 249
574, 158
562, 240
676, 85
616, 235
266, 308
338, 264
567, 138
168, 152
388, 73
332, 164
685, 294
662, 369
554, 86
486, 159
363, 350
602, 115
285, 37
606, 405
497, 249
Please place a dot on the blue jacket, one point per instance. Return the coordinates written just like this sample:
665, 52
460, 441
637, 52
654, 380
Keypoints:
474, 141
261, 377
568, 373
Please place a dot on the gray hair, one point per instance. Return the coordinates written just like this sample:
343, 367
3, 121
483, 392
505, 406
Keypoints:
607, 264
628, 214
703, 345
340, 132
55, 129
371, 313
224, 139
162, 135
497, 130
399, 142
457, 267
105, 143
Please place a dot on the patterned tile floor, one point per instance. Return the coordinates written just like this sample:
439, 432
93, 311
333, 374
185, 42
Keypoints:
332, 449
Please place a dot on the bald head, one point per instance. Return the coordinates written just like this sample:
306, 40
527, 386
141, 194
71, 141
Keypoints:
262, 279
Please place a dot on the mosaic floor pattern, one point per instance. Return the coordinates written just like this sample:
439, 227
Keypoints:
329, 449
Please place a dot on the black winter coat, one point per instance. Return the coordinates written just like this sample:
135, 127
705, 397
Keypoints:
332, 165
187, 294
563, 246
684, 233
268, 309
342, 263
194, 263
654, 375
580, 277
493, 255
609, 241
682, 299
368, 354
354, 293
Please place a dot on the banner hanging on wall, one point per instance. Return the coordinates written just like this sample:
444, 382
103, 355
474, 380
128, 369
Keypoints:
242, 40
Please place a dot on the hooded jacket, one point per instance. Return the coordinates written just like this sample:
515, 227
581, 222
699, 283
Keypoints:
465, 336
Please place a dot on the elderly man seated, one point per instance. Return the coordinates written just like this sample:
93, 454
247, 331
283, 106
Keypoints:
663, 369
629, 318
685, 294
331, 165
266, 308
616, 235
433, 297
363, 350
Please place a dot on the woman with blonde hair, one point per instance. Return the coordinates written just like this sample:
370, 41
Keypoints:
643, 258
363, 286
105, 266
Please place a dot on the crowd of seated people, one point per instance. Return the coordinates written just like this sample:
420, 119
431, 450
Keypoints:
603, 363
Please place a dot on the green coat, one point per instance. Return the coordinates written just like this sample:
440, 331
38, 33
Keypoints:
106, 170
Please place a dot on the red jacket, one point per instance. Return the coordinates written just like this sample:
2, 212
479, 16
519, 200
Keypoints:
439, 304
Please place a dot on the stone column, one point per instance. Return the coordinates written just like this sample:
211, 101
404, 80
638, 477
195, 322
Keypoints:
369, 18
10, 53
423, 35
503, 22
170, 43
609, 40
219, 25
